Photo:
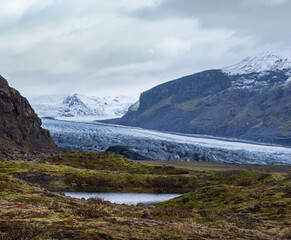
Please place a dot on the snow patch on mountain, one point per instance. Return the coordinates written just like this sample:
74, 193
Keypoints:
288, 81
265, 61
134, 107
265, 70
79, 107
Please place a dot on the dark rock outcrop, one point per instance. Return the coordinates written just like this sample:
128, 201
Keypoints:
126, 153
20, 127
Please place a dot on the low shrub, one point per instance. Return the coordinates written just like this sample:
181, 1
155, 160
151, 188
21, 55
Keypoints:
89, 210
171, 213
163, 182
21, 231
96, 200
245, 182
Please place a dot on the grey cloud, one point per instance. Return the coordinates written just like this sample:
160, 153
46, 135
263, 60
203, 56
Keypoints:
100, 47
269, 18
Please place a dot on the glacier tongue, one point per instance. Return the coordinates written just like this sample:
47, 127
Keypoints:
163, 146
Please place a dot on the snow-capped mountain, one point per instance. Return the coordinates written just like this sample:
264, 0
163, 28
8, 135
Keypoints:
253, 71
80, 107
262, 62
248, 100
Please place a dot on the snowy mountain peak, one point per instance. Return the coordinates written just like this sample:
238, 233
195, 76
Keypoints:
262, 62
80, 107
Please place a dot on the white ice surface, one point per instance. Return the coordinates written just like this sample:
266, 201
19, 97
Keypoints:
163, 146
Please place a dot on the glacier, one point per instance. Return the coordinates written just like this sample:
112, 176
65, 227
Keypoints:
155, 145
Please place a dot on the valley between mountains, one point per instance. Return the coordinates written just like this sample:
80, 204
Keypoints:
220, 138
238, 114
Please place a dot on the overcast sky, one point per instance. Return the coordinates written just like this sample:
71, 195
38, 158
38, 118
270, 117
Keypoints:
124, 47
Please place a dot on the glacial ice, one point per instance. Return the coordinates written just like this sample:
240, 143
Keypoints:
94, 136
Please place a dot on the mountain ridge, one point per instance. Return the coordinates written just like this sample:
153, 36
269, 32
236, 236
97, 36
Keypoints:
79, 106
261, 62
251, 103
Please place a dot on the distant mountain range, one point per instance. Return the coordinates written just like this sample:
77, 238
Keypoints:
248, 100
80, 107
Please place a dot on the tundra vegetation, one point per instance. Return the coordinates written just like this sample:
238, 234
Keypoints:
225, 201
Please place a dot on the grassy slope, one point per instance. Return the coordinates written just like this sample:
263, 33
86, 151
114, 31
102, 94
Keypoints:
218, 203
206, 166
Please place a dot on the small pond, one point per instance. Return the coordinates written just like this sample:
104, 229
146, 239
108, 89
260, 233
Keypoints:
126, 198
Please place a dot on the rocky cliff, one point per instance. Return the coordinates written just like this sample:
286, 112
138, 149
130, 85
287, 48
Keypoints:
20, 127
249, 100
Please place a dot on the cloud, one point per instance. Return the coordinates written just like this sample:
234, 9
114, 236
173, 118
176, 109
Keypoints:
260, 18
102, 47
268, 3
172, 47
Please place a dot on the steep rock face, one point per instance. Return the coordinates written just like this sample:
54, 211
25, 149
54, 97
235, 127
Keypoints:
245, 101
20, 127
180, 90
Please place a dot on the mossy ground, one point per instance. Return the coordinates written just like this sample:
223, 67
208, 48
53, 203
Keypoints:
228, 203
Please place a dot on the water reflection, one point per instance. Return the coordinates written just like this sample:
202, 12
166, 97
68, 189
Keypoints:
126, 198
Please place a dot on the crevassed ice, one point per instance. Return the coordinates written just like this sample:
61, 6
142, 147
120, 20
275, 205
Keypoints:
163, 146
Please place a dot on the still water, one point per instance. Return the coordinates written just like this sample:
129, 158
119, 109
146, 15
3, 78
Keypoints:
126, 198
